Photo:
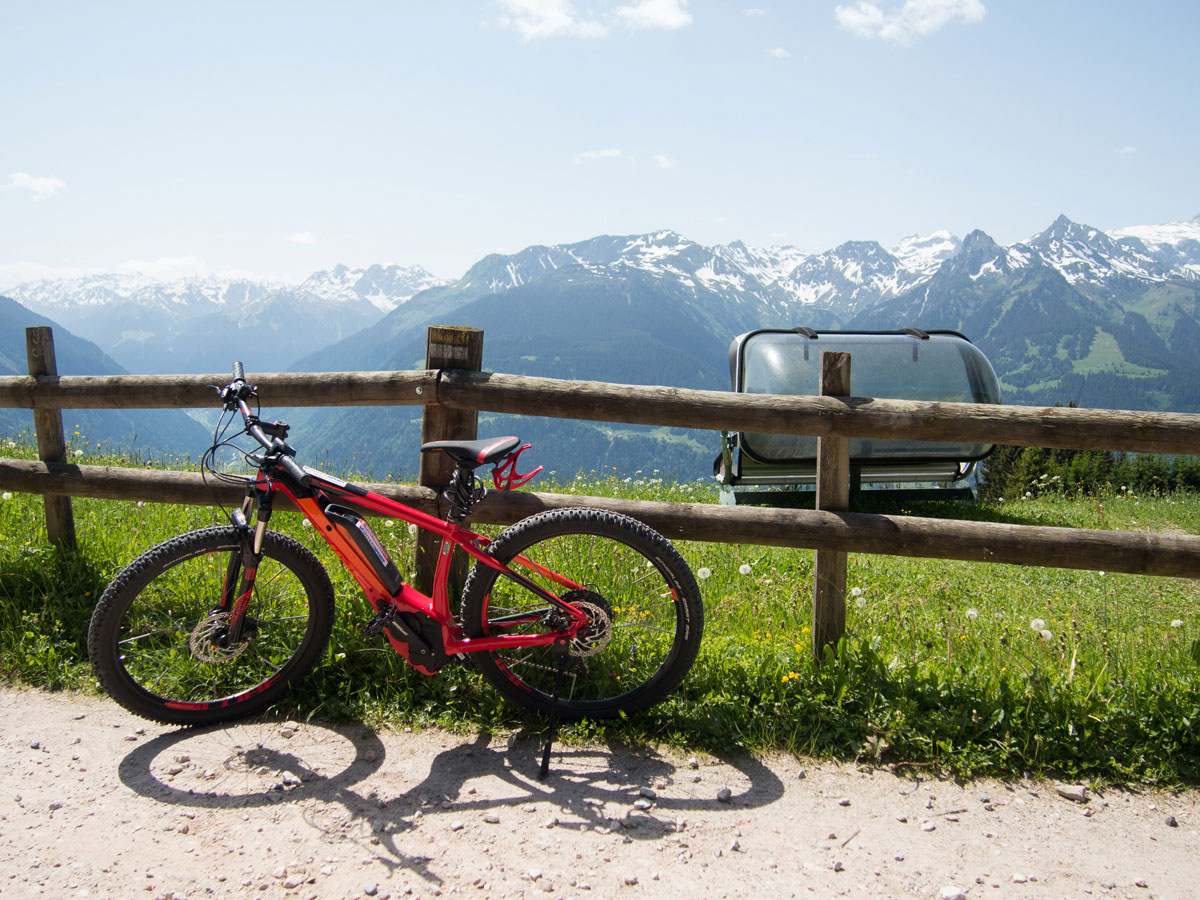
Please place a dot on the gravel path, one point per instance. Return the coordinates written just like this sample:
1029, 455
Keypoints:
99, 804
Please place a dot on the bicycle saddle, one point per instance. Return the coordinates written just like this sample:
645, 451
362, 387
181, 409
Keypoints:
471, 454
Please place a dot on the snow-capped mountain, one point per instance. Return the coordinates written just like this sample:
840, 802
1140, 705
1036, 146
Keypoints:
193, 324
181, 295
1176, 245
384, 287
1085, 254
924, 254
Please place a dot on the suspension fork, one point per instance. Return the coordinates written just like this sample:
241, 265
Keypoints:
245, 559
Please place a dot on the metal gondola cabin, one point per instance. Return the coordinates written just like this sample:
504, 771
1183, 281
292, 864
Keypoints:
908, 364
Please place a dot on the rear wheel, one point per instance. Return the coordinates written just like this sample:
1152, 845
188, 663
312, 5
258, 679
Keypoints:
157, 638
644, 613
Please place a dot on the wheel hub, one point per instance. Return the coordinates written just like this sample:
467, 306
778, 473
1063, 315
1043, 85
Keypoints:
597, 633
209, 641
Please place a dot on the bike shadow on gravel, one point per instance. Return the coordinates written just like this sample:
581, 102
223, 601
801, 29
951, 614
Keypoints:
633, 792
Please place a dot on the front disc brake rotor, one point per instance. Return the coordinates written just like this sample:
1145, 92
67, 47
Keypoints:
209, 639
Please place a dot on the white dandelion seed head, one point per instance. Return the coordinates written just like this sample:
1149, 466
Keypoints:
306, 524
972, 613
860, 602
1037, 624
1177, 623
856, 592
745, 569
1046, 634
703, 572
7, 495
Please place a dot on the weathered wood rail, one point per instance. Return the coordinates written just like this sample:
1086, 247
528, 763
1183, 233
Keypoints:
828, 529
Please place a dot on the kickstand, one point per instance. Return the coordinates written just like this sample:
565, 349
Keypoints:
560, 653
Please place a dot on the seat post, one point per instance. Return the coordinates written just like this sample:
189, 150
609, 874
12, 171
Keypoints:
465, 491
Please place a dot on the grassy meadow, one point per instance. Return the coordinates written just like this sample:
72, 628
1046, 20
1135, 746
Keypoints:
969, 668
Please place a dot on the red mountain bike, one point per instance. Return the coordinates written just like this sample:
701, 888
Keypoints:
571, 613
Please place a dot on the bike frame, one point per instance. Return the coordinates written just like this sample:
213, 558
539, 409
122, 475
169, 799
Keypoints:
408, 599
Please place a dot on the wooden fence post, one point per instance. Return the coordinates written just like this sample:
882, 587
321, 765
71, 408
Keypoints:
833, 494
446, 347
51, 439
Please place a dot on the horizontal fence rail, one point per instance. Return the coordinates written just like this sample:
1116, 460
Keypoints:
1061, 427
1030, 545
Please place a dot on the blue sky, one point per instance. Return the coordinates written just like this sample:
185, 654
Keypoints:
278, 138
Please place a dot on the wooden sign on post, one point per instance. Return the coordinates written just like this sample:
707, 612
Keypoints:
833, 495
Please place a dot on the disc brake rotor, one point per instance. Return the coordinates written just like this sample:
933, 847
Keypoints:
209, 642
597, 633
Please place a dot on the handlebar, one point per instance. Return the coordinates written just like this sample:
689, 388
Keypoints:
234, 397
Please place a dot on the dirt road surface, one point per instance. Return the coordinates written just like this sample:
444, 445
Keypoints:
99, 804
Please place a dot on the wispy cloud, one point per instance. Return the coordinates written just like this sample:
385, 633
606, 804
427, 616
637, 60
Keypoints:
537, 20
914, 19
302, 237
668, 14
665, 162
608, 153
1127, 150
540, 19
755, 11
778, 53
41, 187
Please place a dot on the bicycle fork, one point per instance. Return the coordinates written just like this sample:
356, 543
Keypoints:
236, 592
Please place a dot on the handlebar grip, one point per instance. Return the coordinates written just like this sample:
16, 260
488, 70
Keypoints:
239, 374
290, 466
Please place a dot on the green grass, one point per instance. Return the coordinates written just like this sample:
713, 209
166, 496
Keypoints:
945, 663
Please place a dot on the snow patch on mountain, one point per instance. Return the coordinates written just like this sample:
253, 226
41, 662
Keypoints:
925, 253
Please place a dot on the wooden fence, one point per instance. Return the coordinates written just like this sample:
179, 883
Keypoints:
455, 391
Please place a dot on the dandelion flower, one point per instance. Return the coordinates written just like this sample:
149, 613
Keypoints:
1177, 623
744, 568
860, 602
856, 592
306, 524
972, 613
1046, 634
7, 495
1037, 624
703, 572
79, 453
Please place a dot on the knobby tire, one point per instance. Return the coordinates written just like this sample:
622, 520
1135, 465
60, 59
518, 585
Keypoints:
629, 572
147, 635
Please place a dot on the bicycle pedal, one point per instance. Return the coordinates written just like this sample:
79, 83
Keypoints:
375, 624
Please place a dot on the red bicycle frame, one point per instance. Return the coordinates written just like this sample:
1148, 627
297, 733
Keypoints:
408, 598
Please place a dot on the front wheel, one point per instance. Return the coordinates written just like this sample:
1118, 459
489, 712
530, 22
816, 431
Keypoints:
643, 605
156, 639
